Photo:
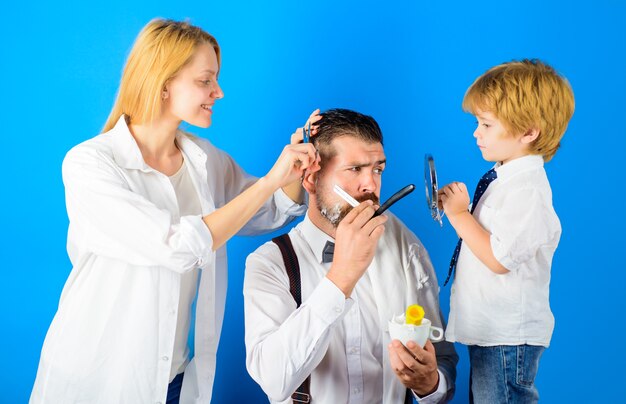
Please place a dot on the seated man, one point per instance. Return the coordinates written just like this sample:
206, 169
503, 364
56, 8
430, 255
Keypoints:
335, 347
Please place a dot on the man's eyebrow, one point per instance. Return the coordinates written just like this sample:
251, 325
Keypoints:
377, 163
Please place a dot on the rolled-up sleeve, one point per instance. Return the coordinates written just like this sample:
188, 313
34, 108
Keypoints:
107, 218
524, 224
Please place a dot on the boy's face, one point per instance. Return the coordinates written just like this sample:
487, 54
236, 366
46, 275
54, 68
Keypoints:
494, 142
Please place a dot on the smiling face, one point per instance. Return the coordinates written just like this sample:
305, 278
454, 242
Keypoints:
357, 167
189, 96
495, 143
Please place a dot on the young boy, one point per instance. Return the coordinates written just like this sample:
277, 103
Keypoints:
499, 303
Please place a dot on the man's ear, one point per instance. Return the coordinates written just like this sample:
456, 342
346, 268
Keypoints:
308, 182
530, 136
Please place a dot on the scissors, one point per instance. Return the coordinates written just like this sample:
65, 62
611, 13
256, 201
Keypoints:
306, 133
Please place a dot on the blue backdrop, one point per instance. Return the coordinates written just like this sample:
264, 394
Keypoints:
408, 64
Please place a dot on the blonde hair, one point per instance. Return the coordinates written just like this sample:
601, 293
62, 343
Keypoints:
162, 48
525, 95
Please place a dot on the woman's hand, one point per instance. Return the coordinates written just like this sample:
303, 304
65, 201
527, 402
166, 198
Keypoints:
294, 160
294, 188
298, 135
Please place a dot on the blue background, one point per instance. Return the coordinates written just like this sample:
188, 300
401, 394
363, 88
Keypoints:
408, 64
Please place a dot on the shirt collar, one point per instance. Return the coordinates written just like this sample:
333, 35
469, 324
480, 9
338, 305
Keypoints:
127, 154
521, 164
125, 149
314, 236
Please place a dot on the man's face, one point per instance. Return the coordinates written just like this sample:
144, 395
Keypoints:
357, 167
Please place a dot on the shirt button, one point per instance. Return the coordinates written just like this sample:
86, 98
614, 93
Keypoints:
165, 358
337, 309
356, 390
354, 350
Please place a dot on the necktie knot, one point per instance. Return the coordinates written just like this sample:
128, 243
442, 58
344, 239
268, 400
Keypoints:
328, 252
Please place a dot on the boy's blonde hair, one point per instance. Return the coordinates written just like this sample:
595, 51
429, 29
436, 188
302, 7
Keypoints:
162, 48
525, 95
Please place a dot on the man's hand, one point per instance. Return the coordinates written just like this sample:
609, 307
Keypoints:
355, 244
415, 367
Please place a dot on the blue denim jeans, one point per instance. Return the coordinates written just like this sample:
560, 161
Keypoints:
504, 374
173, 389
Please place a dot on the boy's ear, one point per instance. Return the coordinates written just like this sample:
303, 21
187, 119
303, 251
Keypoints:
530, 136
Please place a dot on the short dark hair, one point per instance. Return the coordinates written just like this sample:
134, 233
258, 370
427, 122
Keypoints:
340, 122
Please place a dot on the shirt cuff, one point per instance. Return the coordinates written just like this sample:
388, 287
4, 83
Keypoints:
328, 302
198, 238
286, 205
501, 254
437, 395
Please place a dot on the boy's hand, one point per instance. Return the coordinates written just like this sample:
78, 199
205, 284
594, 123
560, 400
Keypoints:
454, 199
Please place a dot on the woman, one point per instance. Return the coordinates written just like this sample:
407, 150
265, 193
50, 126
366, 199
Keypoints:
150, 210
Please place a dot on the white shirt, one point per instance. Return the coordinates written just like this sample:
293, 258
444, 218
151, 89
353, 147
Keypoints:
188, 205
112, 338
490, 309
341, 343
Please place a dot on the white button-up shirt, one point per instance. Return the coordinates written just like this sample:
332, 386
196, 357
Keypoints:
112, 338
341, 343
490, 309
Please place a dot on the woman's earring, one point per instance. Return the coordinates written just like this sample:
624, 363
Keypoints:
164, 95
